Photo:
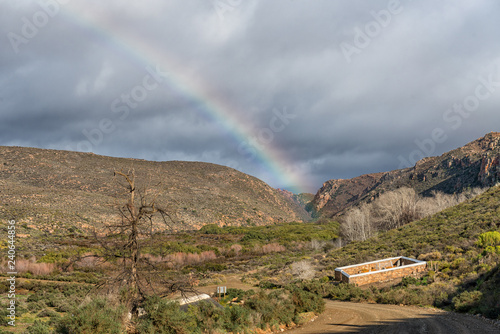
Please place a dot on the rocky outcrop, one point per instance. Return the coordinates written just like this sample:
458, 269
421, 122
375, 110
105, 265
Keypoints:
489, 173
336, 195
474, 165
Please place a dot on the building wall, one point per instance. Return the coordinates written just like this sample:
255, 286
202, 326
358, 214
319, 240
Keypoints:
389, 275
341, 278
376, 272
364, 268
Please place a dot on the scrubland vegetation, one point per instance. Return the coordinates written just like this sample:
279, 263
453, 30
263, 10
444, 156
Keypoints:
67, 308
461, 247
292, 263
50, 305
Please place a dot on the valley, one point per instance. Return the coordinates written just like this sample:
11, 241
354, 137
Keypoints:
230, 229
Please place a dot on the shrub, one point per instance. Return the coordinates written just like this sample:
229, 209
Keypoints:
47, 313
166, 317
433, 256
236, 319
305, 301
467, 300
269, 285
211, 229
64, 306
208, 316
303, 270
254, 235
273, 248
238, 293
344, 292
36, 306
236, 249
52, 299
99, 316
3, 315
491, 250
489, 239
409, 281
271, 309
39, 327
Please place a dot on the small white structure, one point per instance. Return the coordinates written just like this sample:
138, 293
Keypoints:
185, 302
194, 299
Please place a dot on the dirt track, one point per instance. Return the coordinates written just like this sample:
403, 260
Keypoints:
342, 317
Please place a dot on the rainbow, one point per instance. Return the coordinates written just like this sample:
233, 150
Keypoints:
214, 106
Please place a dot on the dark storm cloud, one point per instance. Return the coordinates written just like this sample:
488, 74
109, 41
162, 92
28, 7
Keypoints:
367, 82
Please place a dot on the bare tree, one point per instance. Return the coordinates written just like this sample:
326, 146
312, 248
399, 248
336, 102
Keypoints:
303, 270
357, 224
121, 244
396, 208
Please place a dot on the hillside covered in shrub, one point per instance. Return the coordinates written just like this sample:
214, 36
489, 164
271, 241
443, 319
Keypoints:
462, 248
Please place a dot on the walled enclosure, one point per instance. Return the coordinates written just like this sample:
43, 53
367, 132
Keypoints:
380, 271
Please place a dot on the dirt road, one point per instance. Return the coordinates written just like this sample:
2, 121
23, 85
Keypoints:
343, 317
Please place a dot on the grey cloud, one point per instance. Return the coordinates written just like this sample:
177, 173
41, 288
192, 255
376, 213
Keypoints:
351, 118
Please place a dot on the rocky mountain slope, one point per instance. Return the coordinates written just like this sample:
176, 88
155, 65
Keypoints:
474, 165
49, 189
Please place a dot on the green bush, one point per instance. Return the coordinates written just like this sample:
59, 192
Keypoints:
467, 300
305, 301
409, 281
65, 307
166, 317
269, 285
236, 319
489, 239
254, 235
491, 250
273, 308
36, 306
281, 233
99, 316
3, 287
47, 313
3, 315
211, 229
208, 316
39, 327
238, 293
345, 292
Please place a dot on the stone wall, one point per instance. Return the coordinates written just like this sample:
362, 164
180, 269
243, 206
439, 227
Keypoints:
368, 267
380, 271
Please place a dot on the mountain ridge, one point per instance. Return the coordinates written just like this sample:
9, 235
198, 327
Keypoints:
41, 186
474, 164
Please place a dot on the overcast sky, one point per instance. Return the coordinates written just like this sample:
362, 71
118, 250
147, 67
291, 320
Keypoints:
293, 92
